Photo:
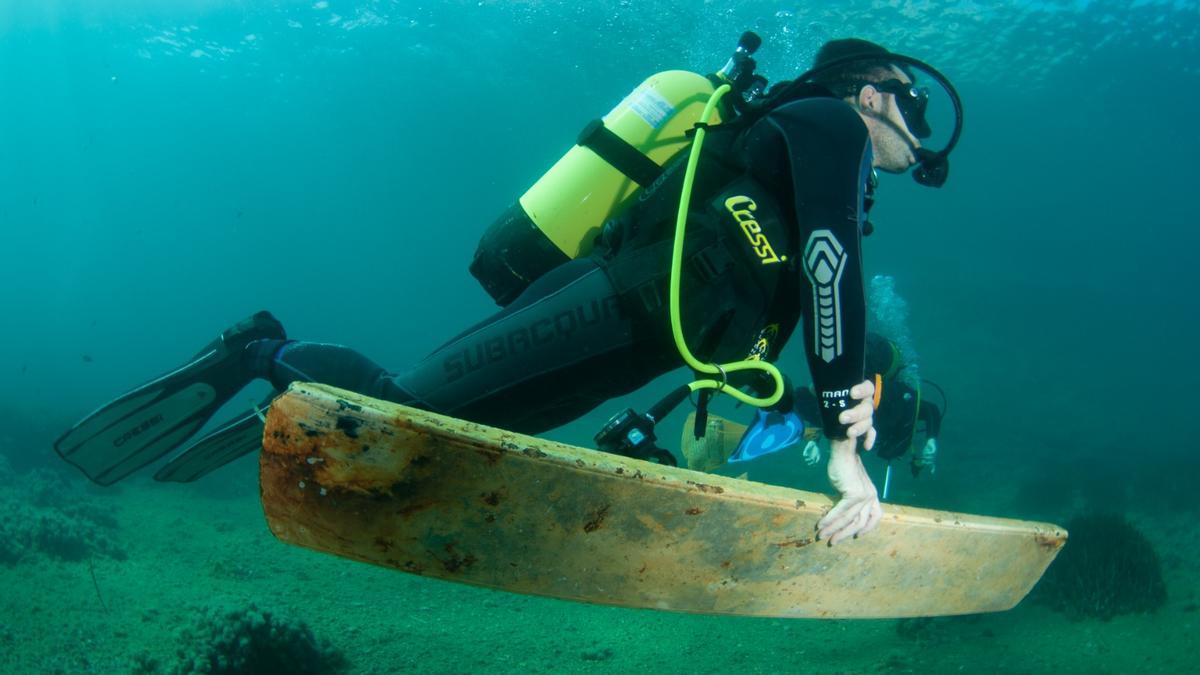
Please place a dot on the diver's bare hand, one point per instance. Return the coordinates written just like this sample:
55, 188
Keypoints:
861, 418
858, 511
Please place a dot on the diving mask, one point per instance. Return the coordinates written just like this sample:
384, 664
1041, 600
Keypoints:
933, 167
912, 102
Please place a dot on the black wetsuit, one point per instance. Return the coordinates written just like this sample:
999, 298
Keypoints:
773, 235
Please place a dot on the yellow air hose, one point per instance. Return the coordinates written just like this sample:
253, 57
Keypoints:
723, 370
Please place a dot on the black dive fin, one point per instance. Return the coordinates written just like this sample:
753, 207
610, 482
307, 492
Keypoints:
159, 416
240, 436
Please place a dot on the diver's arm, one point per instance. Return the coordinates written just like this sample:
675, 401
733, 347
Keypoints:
846, 398
830, 166
829, 172
818, 151
816, 154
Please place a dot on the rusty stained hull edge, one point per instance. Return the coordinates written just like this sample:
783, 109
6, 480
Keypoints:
448, 499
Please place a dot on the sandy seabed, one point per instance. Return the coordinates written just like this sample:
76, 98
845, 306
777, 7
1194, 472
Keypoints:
188, 550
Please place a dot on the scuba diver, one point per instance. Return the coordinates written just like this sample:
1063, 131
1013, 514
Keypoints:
601, 292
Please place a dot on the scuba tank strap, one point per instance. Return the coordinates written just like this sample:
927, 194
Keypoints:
641, 278
619, 153
710, 262
637, 277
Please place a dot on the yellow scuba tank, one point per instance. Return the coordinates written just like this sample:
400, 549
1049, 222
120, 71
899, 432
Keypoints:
558, 218
584, 188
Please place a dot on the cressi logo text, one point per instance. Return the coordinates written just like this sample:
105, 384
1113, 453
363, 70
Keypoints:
742, 208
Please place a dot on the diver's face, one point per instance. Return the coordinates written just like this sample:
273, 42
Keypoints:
893, 143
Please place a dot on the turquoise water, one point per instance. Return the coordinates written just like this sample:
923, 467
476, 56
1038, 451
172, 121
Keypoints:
169, 167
